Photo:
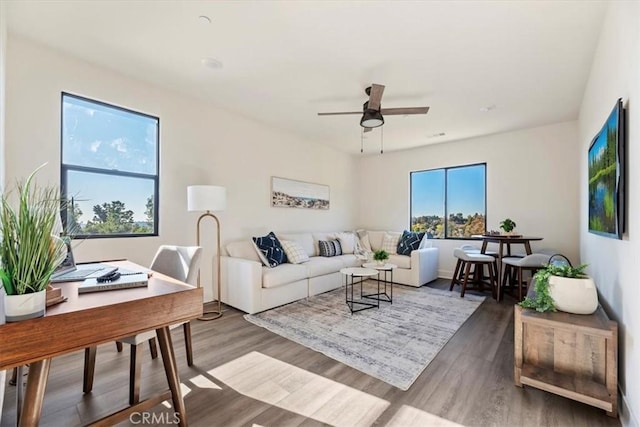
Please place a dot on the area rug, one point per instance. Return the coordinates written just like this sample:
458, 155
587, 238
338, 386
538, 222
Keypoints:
394, 343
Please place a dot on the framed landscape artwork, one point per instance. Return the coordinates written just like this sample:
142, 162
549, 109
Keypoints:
290, 193
607, 177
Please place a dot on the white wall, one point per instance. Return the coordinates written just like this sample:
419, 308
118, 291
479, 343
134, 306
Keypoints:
199, 145
3, 49
532, 178
3, 55
615, 73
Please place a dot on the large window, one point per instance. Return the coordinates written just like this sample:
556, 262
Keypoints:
109, 170
449, 202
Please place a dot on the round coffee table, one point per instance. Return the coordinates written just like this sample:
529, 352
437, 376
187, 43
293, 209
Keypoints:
388, 269
362, 274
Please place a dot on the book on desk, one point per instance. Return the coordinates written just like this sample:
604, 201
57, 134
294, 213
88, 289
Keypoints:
125, 281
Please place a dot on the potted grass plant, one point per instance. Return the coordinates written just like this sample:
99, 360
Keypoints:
30, 249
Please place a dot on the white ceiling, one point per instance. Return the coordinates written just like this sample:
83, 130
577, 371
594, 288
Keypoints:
285, 61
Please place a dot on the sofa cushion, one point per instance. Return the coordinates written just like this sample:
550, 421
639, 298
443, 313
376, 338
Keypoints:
303, 239
319, 266
390, 243
410, 241
329, 248
376, 237
295, 253
402, 261
283, 275
243, 249
270, 250
349, 260
347, 241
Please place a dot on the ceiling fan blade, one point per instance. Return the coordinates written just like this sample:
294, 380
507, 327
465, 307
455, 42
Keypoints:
368, 129
375, 96
340, 113
404, 111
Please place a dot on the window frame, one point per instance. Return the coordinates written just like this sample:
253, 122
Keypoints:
446, 211
66, 168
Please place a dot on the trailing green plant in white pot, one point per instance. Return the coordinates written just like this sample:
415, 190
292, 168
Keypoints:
30, 249
564, 288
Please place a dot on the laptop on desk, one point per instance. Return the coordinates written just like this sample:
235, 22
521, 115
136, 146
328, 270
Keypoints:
68, 271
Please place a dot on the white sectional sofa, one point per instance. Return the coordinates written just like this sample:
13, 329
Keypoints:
248, 285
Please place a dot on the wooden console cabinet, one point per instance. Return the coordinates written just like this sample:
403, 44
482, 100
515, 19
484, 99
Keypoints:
572, 355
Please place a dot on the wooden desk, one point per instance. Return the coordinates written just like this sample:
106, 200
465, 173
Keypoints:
88, 320
507, 241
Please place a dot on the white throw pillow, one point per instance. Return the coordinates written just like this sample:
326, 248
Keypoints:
365, 243
390, 243
295, 253
347, 242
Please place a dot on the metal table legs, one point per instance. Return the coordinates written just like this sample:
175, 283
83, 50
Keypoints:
383, 296
353, 303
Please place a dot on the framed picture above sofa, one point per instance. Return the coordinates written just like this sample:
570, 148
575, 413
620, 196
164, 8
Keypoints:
290, 193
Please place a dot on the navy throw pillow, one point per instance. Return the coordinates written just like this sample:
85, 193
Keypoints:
270, 249
410, 241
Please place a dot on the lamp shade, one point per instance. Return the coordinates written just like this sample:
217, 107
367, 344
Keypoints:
206, 198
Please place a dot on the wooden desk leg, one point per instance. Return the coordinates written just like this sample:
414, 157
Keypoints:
19, 391
527, 247
171, 370
34, 394
89, 368
483, 249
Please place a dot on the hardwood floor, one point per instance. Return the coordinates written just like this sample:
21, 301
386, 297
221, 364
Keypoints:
244, 375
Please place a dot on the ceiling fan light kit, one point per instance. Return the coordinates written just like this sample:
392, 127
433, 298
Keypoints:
371, 119
372, 111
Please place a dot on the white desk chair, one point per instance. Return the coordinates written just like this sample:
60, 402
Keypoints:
181, 263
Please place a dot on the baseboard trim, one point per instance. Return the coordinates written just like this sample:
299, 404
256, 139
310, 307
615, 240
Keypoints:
445, 274
627, 417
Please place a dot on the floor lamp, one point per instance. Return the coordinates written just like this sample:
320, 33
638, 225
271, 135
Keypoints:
208, 198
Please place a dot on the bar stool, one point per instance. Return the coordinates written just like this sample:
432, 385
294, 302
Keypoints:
462, 274
514, 268
476, 250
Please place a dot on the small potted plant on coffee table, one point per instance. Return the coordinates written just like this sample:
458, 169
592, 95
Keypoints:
381, 256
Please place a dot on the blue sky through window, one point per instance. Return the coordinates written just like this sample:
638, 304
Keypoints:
465, 191
102, 137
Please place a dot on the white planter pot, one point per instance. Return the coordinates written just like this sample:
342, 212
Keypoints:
578, 296
23, 307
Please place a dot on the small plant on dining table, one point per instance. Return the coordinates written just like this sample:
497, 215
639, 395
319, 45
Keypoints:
508, 225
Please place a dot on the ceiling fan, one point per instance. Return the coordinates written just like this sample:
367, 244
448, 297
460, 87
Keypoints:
372, 113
